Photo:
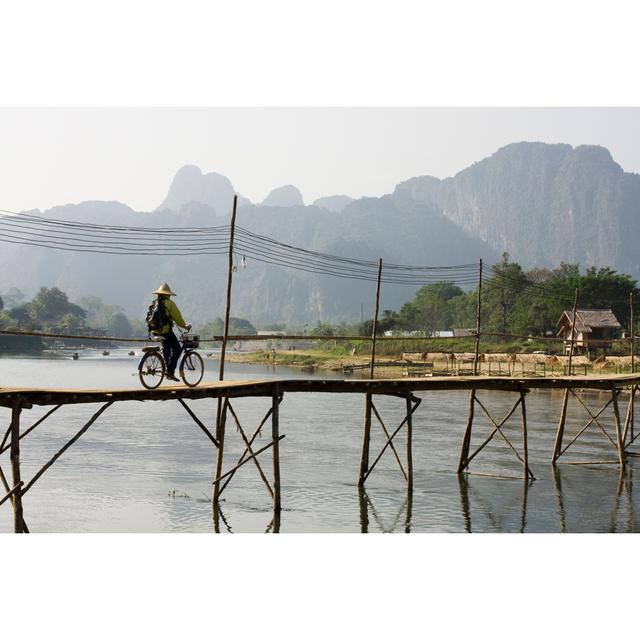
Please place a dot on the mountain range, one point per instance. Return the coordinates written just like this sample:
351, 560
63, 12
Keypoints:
541, 203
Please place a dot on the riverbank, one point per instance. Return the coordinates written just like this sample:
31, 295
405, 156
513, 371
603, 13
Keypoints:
434, 363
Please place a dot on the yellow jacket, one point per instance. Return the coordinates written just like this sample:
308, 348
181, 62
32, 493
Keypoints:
174, 315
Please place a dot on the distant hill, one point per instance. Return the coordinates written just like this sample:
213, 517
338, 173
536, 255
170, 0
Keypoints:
542, 203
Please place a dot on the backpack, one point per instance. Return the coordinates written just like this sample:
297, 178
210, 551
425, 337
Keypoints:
157, 316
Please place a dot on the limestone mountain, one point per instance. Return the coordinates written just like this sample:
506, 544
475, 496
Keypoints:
286, 196
333, 203
543, 204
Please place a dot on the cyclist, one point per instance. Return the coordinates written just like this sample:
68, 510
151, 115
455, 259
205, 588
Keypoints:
170, 345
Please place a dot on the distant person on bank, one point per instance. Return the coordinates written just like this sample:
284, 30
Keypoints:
170, 344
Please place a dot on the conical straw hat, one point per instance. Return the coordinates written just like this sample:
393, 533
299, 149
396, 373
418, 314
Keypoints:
164, 289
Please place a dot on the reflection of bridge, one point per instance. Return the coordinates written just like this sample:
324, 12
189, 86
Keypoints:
619, 438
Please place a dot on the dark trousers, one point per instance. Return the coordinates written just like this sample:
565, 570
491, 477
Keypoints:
171, 349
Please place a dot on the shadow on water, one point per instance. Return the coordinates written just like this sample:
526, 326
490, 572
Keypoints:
366, 506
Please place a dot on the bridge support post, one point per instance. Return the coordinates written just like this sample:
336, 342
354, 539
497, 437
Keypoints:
466, 439
557, 449
275, 434
409, 444
366, 440
18, 522
221, 420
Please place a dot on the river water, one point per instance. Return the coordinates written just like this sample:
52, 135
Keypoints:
146, 467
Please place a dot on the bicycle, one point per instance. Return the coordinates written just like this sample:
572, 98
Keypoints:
152, 367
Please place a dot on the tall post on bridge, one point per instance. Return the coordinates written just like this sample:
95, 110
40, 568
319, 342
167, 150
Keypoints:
220, 418
573, 330
375, 322
366, 436
478, 310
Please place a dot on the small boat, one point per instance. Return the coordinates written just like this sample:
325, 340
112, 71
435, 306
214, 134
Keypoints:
105, 353
132, 353
75, 356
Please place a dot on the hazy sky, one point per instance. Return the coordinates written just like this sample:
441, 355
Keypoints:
51, 156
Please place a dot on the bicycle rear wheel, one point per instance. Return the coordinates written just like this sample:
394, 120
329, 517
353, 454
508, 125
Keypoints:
191, 368
151, 370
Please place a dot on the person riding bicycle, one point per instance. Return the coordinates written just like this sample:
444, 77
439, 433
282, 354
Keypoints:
169, 313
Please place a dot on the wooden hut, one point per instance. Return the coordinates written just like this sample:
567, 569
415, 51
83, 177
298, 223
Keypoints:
595, 328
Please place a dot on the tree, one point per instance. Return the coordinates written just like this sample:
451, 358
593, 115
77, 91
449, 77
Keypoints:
50, 306
119, 326
237, 326
430, 309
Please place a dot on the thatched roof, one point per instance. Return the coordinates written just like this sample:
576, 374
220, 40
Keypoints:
588, 319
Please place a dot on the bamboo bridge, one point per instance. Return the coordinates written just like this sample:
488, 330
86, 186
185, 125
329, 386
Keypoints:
21, 400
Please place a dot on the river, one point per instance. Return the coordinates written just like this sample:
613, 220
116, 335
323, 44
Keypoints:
146, 467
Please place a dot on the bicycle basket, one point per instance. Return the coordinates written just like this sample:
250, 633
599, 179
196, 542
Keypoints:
190, 341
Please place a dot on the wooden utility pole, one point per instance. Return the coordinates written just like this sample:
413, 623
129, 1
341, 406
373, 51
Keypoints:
375, 322
633, 334
229, 281
366, 436
573, 329
220, 418
478, 310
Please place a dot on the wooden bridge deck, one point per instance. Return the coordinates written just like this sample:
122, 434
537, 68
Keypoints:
240, 388
20, 399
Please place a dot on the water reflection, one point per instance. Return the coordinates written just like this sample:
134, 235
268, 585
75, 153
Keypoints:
497, 517
366, 506
219, 518
613, 513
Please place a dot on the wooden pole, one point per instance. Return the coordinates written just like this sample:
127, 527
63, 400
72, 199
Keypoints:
220, 429
573, 329
633, 363
220, 413
633, 334
275, 427
409, 444
375, 322
466, 439
366, 439
478, 310
18, 523
227, 309
364, 510
616, 412
525, 445
560, 433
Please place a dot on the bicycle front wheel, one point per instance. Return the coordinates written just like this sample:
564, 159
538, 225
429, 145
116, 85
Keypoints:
151, 369
191, 368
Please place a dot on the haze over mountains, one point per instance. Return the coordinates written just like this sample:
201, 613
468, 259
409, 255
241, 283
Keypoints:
542, 203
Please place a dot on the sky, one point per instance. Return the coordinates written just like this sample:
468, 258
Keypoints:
57, 155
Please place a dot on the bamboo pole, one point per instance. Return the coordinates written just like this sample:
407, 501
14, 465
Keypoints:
466, 439
633, 361
220, 432
478, 311
249, 449
275, 434
18, 523
227, 309
616, 411
225, 336
366, 440
375, 322
386, 432
409, 445
573, 330
525, 444
560, 432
